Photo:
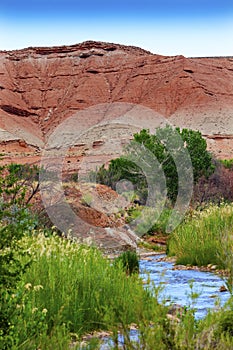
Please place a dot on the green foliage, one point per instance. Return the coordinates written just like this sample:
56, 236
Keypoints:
15, 221
71, 290
15, 310
197, 148
87, 199
226, 256
226, 323
227, 163
83, 291
141, 219
199, 240
18, 184
120, 168
129, 261
164, 145
53, 289
160, 226
149, 218
15, 218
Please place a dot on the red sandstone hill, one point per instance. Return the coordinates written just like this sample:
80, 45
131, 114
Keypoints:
41, 87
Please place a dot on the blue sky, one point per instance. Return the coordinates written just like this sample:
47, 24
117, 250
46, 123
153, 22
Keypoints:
168, 27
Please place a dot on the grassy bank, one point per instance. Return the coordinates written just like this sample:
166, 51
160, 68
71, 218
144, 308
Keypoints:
205, 237
73, 289
70, 290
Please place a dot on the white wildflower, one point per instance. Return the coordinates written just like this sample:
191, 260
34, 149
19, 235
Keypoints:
36, 288
28, 286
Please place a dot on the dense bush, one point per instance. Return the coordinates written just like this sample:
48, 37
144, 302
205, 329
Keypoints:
226, 323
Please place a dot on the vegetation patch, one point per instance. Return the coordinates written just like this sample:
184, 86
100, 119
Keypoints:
205, 237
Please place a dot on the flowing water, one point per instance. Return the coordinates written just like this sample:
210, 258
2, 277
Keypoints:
176, 284
177, 289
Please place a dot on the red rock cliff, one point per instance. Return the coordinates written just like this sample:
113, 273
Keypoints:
40, 87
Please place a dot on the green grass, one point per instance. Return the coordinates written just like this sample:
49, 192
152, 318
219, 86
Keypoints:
74, 289
70, 290
203, 238
79, 285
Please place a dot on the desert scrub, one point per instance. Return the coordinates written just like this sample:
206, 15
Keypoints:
198, 240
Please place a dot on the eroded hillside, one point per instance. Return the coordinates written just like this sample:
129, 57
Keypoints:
42, 87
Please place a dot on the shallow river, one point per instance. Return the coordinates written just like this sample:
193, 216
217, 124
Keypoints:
176, 287
176, 284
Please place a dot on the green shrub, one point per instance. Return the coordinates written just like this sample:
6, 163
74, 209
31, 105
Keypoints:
227, 163
129, 261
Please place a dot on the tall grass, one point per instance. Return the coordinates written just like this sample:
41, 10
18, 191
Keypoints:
79, 285
200, 238
76, 288
70, 290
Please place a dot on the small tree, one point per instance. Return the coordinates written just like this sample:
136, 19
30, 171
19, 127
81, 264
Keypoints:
197, 147
159, 145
